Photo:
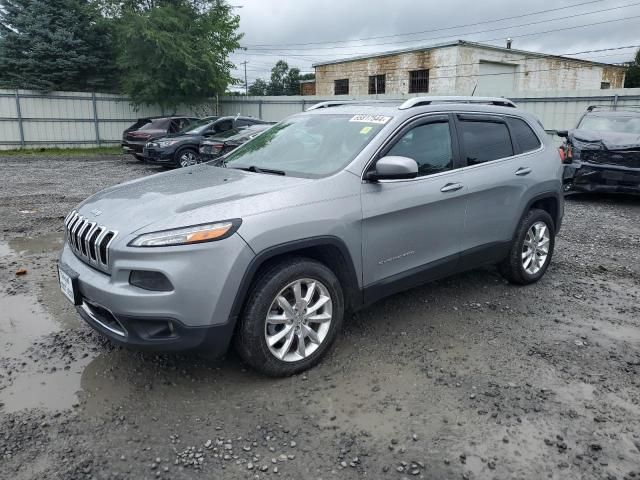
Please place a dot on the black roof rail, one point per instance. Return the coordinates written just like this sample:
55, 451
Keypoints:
616, 108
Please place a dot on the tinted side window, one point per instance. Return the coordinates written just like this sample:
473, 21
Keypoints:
241, 122
484, 141
223, 126
523, 135
429, 145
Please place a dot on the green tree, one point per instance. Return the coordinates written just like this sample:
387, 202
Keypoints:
258, 88
279, 72
55, 45
632, 77
174, 52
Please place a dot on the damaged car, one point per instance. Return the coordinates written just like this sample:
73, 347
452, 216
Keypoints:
602, 154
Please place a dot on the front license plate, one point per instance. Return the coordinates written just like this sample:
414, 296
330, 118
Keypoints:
69, 284
66, 285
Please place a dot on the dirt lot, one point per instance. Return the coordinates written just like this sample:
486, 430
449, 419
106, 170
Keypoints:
464, 378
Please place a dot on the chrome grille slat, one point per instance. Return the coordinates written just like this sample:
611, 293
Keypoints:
87, 240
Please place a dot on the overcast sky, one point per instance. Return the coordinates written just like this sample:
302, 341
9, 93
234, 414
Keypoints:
275, 29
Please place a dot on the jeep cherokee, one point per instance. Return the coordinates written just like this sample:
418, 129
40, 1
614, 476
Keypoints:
326, 212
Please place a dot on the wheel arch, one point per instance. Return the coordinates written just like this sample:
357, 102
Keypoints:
182, 148
549, 202
328, 250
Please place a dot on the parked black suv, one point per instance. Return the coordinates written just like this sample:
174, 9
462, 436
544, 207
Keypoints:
211, 148
602, 154
181, 149
137, 135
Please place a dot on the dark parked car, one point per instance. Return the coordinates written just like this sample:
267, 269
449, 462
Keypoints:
602, 154
211, 148
181, 149
137, 135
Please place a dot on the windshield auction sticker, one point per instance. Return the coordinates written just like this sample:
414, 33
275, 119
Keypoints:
380, 119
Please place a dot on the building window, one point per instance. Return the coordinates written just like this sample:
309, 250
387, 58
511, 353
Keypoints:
605, 85
341, 87
376, 84
419, 81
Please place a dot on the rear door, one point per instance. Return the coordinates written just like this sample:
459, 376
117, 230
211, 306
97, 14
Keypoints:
412, 228
499, 153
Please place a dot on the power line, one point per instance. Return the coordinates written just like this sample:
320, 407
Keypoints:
306, 57
460, 35
428, 31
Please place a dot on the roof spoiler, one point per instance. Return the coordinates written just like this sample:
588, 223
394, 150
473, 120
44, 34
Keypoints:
421, 101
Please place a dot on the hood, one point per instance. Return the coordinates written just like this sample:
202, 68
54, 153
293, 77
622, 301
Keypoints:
188, 196
597, 140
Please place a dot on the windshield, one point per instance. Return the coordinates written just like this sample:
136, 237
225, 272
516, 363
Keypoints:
196, 128
622, 124
308, 145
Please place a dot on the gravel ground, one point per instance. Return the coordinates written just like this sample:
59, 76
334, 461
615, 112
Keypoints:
468, 377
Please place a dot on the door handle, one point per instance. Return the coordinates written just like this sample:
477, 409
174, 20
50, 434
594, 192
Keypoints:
451, 187
523, 171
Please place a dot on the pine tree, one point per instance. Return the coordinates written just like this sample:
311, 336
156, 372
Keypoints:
55, 45
632, 77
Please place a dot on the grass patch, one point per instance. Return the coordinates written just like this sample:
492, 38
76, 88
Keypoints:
66, 152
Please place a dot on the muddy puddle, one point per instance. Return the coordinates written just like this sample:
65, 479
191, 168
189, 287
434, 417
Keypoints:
35, 311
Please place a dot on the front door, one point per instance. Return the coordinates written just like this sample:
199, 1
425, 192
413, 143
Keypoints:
412, 228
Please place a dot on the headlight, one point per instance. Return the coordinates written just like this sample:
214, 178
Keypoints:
166, 143
207, 232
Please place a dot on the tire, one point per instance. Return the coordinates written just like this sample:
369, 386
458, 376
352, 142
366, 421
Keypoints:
186, 157
279, 280
515, 267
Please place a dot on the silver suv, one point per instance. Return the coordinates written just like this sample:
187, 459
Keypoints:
322, 214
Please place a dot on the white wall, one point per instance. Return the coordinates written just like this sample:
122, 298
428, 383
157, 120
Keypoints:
66, 119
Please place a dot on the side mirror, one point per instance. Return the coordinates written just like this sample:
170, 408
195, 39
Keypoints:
393, 168
562, 133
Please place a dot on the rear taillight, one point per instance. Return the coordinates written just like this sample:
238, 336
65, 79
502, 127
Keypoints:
566, 153
217, 147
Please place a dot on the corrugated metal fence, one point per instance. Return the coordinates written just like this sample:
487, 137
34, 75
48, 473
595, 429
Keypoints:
70, 119
64, 119
557, 110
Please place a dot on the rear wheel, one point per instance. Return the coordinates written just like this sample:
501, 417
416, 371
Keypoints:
187, 157
292, 317
531, 250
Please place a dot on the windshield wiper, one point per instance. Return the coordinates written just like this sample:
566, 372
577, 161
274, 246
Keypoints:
254, 169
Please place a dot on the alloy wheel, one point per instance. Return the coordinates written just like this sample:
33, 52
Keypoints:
535, 249
188, 159
298, 320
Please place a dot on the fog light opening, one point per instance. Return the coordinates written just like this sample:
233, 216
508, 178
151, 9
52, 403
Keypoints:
148, 280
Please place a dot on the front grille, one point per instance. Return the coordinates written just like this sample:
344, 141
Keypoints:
623, 158
89, 241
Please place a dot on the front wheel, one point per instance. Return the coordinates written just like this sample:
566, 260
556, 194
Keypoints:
187, 158
531, 250
292, 316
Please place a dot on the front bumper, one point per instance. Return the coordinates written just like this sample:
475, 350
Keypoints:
195, 315
590, 177
159, 156
132, 148
158, 334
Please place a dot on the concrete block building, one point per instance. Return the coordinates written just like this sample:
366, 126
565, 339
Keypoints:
462, 68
